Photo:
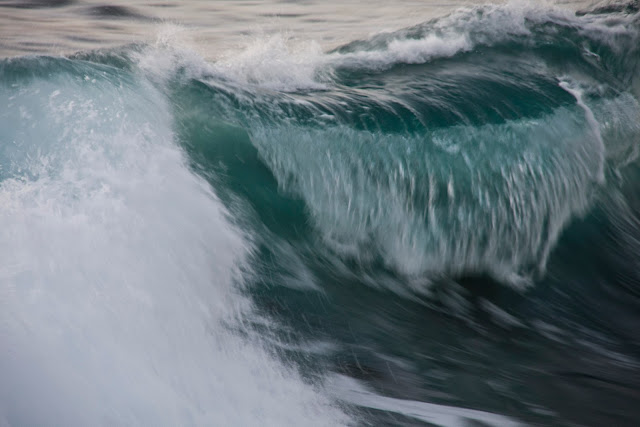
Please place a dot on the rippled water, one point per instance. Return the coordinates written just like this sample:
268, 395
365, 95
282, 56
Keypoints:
212, 27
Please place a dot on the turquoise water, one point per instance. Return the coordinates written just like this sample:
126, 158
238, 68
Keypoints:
433, 223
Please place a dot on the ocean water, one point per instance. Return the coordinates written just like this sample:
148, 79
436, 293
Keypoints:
237, 213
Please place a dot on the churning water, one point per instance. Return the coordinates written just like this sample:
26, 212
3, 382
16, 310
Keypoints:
354, 213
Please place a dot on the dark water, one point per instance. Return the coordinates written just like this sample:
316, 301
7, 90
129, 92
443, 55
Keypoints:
433, 225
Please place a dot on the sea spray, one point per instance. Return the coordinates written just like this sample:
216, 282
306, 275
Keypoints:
121, 277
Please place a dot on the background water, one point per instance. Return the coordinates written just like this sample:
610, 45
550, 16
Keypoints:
331, 213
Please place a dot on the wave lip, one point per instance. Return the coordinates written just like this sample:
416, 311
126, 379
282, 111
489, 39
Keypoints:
282, 63
463, 199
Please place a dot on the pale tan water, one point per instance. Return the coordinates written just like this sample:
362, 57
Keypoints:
59, 27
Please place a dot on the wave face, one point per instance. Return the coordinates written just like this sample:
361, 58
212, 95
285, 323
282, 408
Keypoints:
462, 145
446, 213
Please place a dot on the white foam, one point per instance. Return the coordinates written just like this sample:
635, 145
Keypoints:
119, 273
171, 52
276, 62
577, 93
404, 51
282, 62
350, 390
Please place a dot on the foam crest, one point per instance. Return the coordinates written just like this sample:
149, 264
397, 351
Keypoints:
404, 51
172, 54
275, 62
278, 62
470, 27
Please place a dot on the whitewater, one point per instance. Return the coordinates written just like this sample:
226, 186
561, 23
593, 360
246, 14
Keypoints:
411, 215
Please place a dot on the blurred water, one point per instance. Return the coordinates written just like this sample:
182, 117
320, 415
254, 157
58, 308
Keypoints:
328, 213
